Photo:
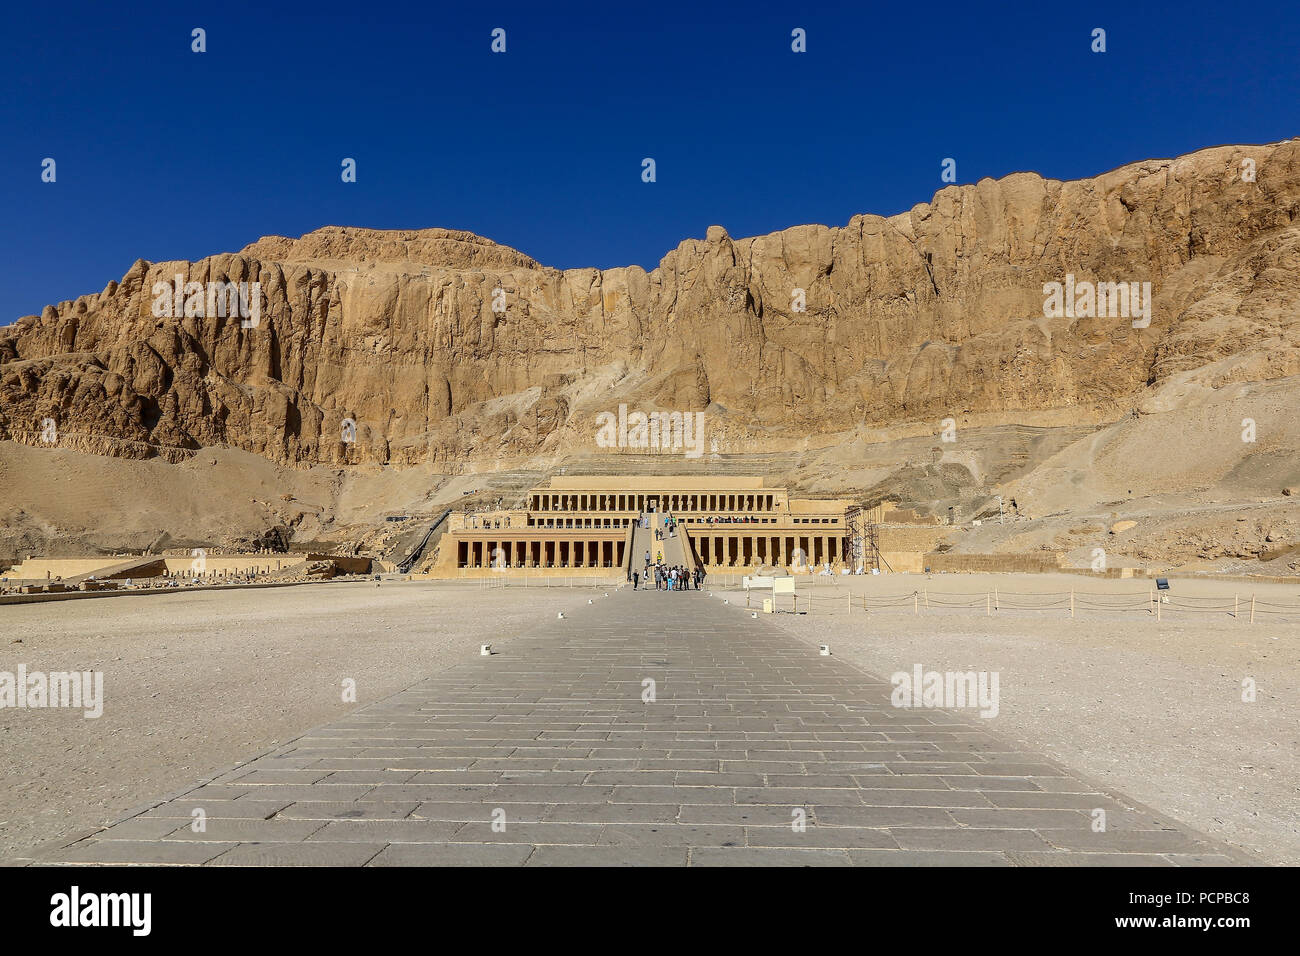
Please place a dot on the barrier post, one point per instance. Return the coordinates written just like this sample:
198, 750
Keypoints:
1234, 605
995, 598
916, 604
1252, 609
927, 599
1071, 603
988, 604
1158, 602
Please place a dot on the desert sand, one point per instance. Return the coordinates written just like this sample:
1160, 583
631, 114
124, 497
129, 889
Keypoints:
1151, 710
194, 683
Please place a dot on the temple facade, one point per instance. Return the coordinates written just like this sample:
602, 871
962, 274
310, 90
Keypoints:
593, 524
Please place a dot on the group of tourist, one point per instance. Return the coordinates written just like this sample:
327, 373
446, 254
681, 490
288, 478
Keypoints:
674, 578
669, 529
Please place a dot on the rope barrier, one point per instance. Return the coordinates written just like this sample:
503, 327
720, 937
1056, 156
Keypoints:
828, 595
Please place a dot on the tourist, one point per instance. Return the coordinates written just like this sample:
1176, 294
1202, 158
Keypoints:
636, 579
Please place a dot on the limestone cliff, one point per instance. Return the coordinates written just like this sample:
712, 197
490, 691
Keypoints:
934, 313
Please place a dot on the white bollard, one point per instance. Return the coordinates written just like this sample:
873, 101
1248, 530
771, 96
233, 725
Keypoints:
485, 650
559, 616
589, 600
824, 650
754, 615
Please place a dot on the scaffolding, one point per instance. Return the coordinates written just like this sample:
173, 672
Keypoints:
864, 539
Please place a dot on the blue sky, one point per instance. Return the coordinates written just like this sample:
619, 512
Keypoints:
163, 153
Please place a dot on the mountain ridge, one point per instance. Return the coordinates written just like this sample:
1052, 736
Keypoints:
925, 315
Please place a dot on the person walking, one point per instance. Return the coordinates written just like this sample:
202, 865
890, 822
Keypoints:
636, 579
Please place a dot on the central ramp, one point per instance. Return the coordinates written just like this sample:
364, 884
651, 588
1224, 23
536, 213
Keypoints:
651, 729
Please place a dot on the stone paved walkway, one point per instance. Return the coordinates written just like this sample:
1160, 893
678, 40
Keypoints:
749, 730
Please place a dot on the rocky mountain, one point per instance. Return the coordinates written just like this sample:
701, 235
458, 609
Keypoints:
451, 351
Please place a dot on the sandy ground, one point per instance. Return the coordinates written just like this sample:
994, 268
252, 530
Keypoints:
194, 683
1154, 711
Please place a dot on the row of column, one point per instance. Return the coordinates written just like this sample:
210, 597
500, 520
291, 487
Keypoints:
222, 572
540, 554
739, 502
579, 522
746, 550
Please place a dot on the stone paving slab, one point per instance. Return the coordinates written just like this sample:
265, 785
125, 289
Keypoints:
755, 751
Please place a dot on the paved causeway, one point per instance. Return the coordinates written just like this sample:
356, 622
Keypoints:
546, 754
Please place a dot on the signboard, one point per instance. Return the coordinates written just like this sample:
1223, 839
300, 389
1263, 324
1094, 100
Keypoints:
1162, 584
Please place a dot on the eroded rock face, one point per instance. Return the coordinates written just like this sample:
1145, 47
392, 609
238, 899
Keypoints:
934, 313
